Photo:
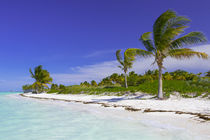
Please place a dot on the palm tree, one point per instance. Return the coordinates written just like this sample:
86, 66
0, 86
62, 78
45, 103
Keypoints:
115, 78
93, 83
125, 63
42, 78
165, 42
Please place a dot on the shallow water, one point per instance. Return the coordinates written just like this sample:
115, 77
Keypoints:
31, 119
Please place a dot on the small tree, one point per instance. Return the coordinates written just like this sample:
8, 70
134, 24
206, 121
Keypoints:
114, 78
62, 87
93, 83
101, 83
54, 87
167, 76
133, 78
86, 84
125, 64
106, 81
42, 79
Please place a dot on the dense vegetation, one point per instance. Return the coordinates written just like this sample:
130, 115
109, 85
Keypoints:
187, 84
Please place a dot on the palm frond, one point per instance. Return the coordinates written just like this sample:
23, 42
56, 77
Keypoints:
169, 35
173, 27
45, 85
161, 24
128, 61
32, 74
36, 85
186, 53
119, 57
147, 41
178, 21
120, 67
189, 39
133, 52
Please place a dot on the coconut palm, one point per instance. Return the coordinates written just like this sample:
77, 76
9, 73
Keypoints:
42, 78
125, 63
93, 83
166, 42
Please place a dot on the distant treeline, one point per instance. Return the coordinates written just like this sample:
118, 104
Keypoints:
135, 79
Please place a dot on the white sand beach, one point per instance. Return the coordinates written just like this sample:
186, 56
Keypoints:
193, 105
191, 114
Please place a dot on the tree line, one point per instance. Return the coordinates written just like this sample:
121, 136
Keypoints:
134, 79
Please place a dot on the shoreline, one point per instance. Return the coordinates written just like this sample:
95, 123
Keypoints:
112, 101
178, 113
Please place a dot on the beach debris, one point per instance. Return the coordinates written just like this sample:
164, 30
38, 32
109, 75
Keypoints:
132, 109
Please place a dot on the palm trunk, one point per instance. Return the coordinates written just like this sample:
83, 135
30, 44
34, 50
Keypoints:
160, 84
37, 91
126, 85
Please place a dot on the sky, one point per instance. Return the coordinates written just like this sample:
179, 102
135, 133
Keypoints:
76, 40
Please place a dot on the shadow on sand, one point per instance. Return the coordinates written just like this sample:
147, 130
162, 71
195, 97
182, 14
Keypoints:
119, 99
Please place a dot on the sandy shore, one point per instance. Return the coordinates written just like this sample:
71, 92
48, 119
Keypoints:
191, 114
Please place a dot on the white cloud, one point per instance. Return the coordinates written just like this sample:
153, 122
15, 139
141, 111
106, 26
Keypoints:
88, 73
101, 70
192, 64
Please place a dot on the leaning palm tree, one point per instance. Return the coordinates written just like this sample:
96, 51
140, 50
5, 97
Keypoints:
42, 78
165, 42
125, 63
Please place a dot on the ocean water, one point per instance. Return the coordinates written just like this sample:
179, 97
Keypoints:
32, 119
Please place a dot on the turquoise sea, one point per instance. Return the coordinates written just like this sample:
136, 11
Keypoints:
31, 119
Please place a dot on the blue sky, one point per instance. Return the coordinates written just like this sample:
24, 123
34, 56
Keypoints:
72, 38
